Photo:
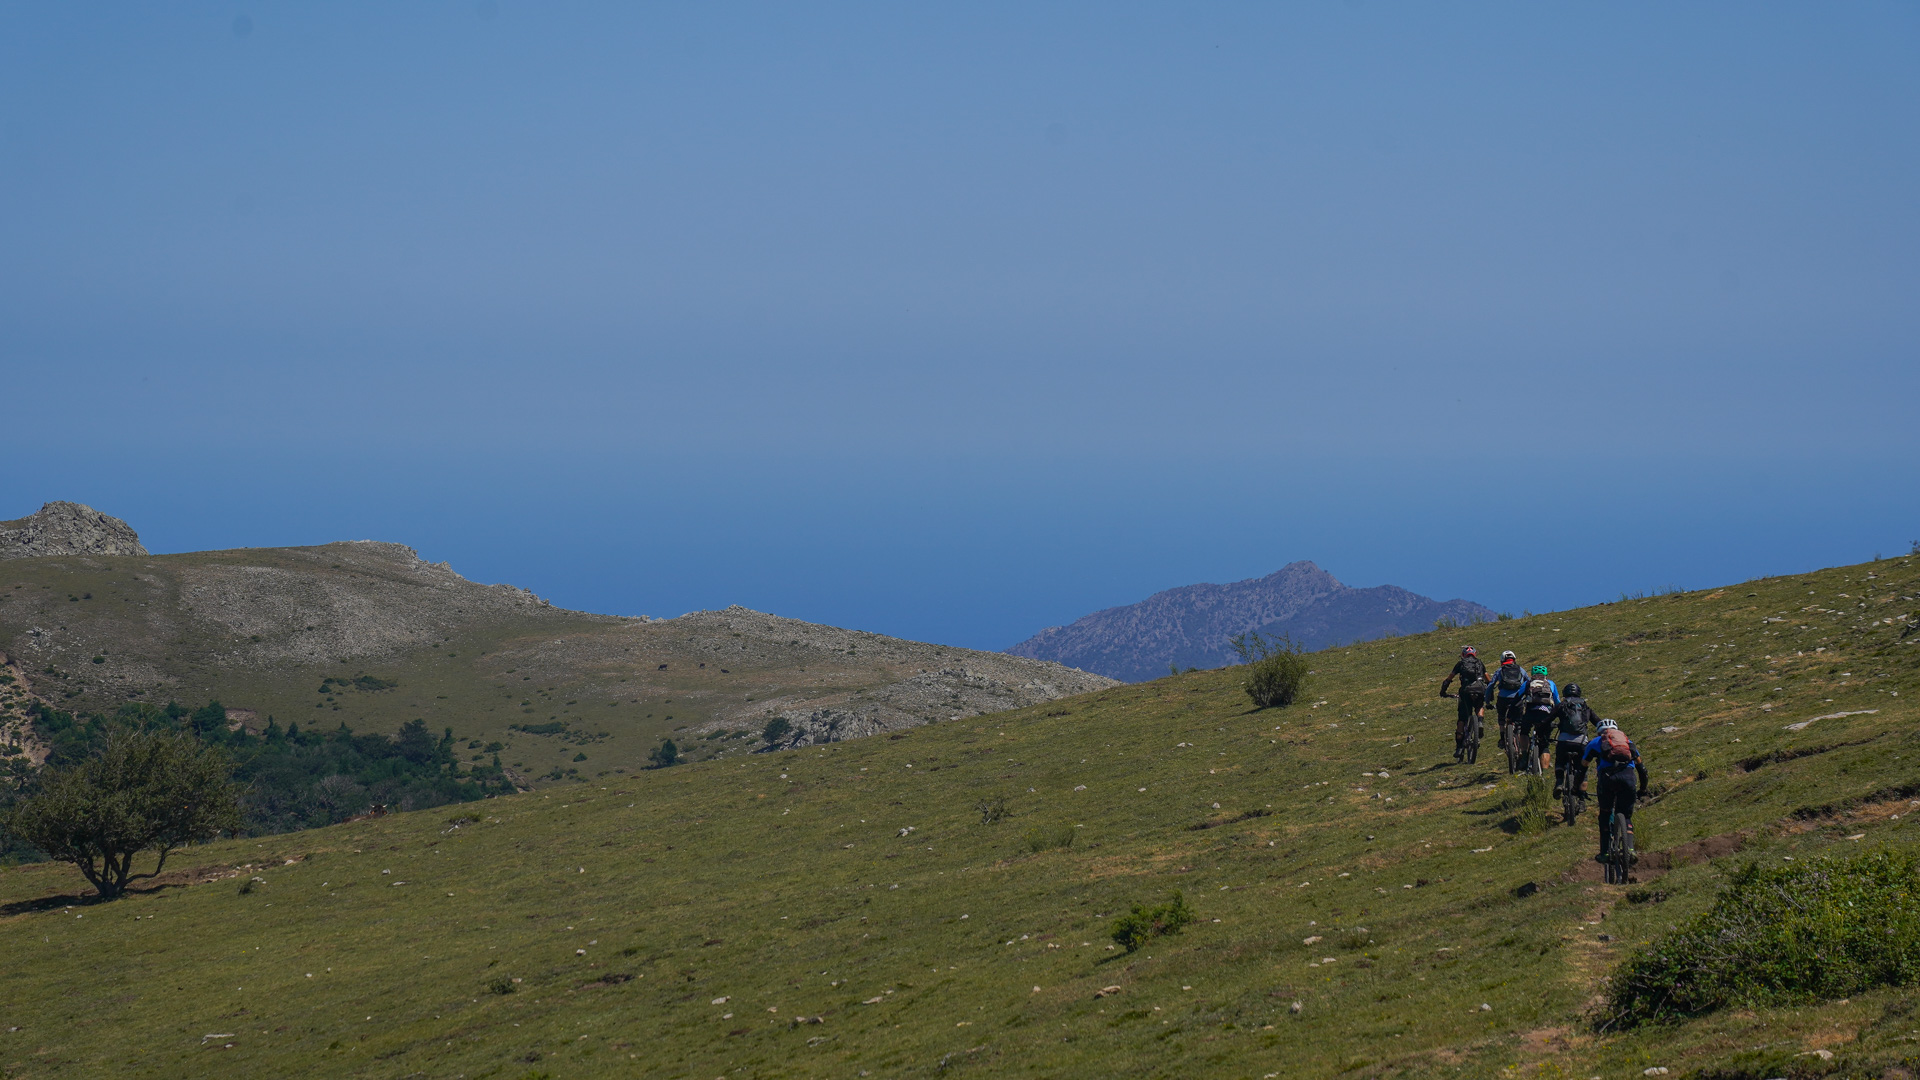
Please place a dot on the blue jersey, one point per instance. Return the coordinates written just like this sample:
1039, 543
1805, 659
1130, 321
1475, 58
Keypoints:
1493, 681
1607, 768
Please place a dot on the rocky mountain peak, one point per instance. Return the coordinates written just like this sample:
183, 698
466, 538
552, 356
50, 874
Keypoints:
1193, 625
67, 528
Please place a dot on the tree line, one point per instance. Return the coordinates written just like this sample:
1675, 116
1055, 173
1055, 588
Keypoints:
279, 779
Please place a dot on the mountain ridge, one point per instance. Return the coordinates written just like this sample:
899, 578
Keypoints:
259, 628
1190, 625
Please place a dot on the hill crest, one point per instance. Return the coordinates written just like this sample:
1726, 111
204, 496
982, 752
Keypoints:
67, 528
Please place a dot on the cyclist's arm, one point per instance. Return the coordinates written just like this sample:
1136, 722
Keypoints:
1444, 683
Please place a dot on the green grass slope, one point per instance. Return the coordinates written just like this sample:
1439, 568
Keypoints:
845, 911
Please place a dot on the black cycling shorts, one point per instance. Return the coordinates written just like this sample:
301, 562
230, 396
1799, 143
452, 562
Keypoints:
1619, 790
1472, 699
1512, 709
1543, 726
1566, 759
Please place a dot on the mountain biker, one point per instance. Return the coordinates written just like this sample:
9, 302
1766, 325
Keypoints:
1575, 721
1542, 698
1473, 694
1509, 685
1621, 776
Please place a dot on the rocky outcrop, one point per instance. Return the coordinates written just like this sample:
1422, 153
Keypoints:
66, 528
946, 694
1191, 626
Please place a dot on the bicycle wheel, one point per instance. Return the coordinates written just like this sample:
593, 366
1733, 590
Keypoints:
1620, 851
1569, 803
1473, 740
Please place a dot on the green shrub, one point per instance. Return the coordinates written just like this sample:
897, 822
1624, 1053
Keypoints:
1276, 669
1535, 799
1143, 924
1811, 931
992, 810
501, 985
551, 728
777, 729
663, 756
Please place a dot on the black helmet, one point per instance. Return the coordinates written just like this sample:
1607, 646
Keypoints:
1573, 689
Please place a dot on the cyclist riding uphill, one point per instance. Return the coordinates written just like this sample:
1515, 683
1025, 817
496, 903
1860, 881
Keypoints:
1509, 692
1621, 776
1473, 694
1542, 698
1575, 721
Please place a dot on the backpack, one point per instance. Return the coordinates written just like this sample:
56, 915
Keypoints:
1615, 747
1511, 678
1539, 694
1472, 671
1574, 716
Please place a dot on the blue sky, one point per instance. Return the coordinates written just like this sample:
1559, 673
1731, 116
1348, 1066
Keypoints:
956, 322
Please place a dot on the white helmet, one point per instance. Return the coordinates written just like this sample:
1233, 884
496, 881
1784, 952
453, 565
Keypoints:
1507, 654
1607, 725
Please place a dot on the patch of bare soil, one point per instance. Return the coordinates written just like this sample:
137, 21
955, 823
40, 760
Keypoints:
1653, 864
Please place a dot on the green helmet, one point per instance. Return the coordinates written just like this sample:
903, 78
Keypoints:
1540, 670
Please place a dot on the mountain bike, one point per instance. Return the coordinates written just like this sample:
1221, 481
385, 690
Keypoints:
1572, 803
1516, 742
1619, 859
1535, 748
1469, 749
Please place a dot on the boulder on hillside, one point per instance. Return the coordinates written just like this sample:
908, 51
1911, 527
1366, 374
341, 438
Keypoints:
66, 528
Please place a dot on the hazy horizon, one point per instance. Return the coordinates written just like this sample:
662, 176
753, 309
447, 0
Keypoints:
954, 324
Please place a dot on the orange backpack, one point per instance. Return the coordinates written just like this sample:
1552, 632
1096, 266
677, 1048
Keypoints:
1615, 747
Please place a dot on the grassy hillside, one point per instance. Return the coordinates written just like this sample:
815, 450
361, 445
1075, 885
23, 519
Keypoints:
369, 635
846, 911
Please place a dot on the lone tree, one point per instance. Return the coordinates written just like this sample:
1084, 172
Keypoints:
138, 792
